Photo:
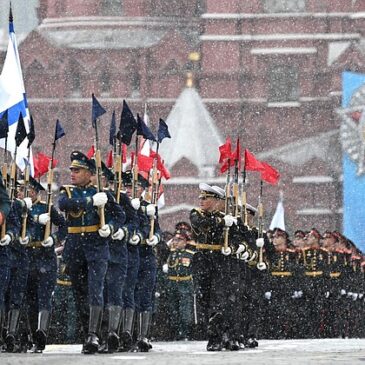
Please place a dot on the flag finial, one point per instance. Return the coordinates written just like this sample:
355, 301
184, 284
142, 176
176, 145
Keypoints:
10, 14
189, 79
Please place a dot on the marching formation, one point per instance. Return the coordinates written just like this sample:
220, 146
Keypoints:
230, 282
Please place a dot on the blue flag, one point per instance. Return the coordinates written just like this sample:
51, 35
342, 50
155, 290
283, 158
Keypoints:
353, 179
59, 132
21, 132
163, 131
113, 130
143, 130
97, 110
31, 134
128, 125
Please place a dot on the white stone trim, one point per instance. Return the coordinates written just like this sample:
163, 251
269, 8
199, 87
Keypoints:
238, 16
283, 50
278, 37
284, 104
312, 179
315, 211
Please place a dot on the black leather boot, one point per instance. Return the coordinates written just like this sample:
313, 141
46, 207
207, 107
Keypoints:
40, 336
126, 340
143, 344
115, 313
215, 333
2, 324
92, 341
11, 342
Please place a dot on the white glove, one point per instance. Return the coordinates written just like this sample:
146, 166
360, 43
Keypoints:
300, 293
99, 199
150, 210
6, 240
260, 242
244, 256
105, 230
229, 220
44, 218
25, 241
165, 268
343, 292
327, 294
240, 249
349, 294
49, 242
153, 241
28, 202
226, 251
354, 296
135, 240
295, 295
157, 294
136, 203
118, 235
268, 295
361, 295
261, 266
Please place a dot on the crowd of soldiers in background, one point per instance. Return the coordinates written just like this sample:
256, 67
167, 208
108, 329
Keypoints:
288, 302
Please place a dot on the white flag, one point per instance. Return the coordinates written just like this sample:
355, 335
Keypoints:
278, 220
13, 99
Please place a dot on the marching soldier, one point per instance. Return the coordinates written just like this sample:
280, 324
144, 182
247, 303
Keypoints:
86, 252
144, 292
131, 206
42, 264
5, 209
213, 264
19, 269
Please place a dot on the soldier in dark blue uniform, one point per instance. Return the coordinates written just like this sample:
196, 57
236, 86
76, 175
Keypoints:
4, 255
19, 269
144, 292
42, 265
117, 268
86, 251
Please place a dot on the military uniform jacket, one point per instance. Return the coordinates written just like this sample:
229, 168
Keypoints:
144, 229
179, 263
77, 203
39, 255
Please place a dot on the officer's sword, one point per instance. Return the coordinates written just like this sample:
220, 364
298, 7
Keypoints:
195, 309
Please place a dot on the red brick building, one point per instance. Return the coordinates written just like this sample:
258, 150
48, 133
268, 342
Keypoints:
269, 72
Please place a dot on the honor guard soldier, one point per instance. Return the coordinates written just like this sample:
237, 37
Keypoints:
180, 285
86, 252
214, 266
314, 259
281, 285
131, 207
117, 267
150, 236
42, 264
19, 269
4, 253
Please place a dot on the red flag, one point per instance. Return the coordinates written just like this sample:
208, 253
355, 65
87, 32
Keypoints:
145, 163
225, 150
251, 163
225, 165
91, 152
165, 173
269, 174
109, 160
41, 164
